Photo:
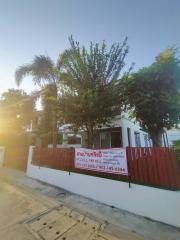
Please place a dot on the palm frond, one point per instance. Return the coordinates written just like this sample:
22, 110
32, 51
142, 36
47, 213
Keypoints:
22, 72
42, 70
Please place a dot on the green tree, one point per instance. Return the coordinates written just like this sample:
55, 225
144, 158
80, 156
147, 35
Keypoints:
152, 95
45, 74
46, 129
176, 144
16, 112
90, 85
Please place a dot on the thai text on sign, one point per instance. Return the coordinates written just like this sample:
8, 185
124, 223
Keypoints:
103, 160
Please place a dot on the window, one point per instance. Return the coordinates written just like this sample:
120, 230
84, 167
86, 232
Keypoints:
111, 139
74, 140
105, 139
116, 140
137, 139
146, 140
129, 136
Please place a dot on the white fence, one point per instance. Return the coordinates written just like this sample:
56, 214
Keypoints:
158, 204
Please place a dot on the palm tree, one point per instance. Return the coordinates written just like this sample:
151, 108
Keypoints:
42, 69
45, 74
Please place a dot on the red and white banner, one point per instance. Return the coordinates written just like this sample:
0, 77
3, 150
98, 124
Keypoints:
112, 160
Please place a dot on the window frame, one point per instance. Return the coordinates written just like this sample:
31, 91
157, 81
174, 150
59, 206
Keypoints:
136, 133
116, 130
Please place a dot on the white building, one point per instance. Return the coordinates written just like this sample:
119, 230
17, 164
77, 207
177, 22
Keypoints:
121, 132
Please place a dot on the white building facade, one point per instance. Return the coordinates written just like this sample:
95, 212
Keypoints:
121, 132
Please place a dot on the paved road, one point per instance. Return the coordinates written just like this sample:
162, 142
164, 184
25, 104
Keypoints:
28, 215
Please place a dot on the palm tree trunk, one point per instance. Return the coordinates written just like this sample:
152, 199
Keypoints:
54, 117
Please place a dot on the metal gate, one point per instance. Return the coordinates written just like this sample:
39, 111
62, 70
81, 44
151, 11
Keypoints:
16, 157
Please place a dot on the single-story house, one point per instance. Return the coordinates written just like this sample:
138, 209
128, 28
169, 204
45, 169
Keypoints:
121, 132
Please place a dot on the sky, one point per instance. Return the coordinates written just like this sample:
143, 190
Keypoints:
34, 27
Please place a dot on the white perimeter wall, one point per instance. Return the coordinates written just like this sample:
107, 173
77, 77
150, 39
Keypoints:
158, 204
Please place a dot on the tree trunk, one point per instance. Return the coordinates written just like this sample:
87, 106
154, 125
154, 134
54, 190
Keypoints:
54, 117
156, 137
54, 131
90, 135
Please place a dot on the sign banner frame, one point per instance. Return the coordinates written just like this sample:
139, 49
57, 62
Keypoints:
109, 160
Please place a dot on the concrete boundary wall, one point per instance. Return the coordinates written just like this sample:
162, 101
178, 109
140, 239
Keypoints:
157, 204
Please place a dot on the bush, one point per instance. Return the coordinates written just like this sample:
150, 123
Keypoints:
176, 144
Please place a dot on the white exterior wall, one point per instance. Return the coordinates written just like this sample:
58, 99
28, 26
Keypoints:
134, 127
65, 146
117, 121
158, 204
2, 151
124, 123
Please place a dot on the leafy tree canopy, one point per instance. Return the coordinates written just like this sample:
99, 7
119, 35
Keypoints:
16, 111
90, 91
152, 95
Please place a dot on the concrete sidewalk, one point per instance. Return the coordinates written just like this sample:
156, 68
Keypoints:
32, 210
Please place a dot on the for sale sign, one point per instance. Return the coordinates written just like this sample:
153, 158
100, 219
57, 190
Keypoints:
103, 160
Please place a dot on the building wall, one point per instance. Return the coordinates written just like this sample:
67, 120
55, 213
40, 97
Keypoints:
157, 204
134, 127
173, 134
124, 123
